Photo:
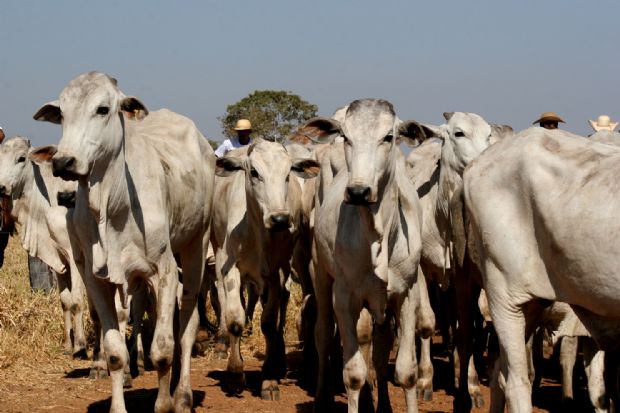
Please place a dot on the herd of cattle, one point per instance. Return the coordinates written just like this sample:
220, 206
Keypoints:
513, 231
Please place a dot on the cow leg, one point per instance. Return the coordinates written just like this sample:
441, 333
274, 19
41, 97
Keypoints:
122, 315
233, 317
192, 261
324, 334
66, 302
138, 308
425, 319
217, 297
468, 392
355, 370
162, 347
102, 296
568, 355
272, 326
514, 325
78, 291
250, 307
406, 370
383, 341
594, 362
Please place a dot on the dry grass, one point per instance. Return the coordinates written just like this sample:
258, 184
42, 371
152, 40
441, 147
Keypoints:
30, 323
31, 330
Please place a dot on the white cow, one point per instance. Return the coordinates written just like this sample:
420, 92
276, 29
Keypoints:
366, 251
144, 194
532, 217
255, 226
42, 228
436, 169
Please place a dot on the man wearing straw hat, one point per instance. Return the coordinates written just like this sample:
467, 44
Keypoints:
243, 127
603, 123
548, 120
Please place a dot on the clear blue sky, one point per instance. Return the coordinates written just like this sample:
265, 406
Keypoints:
505, 61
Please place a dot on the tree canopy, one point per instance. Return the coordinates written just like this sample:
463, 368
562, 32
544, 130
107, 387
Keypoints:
274, 114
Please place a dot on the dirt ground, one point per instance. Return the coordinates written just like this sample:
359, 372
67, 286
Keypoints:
65, 387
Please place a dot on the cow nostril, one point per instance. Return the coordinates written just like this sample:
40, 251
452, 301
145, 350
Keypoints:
358, 194
280, 221
2, 190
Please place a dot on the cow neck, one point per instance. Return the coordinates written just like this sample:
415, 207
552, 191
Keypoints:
30, 205
382, 214
108, 199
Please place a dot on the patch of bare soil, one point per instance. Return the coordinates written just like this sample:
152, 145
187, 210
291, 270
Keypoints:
65, 387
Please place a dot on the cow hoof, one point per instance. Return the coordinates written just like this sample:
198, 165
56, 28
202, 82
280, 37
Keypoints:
424, 394
270, 390
477, 401
81, 354
235, 383
183, 402
97, 373
127, 381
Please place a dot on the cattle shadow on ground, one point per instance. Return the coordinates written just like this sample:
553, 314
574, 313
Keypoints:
140, 400
252, 382
77, 373
308, 407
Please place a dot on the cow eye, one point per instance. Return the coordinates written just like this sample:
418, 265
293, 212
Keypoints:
21, 159
103, 110
459, 134
388, 138
254, 173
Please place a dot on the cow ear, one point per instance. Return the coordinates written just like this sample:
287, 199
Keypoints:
132, 104
305, 168
414, 133
226, 165
448, 115
321, 130
50, 112
42, 154
499, 132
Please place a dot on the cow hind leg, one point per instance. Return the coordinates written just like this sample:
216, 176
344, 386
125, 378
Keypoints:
594, 361
568, 355
162, 347
192, 260
78, 291
383, 340
66, 302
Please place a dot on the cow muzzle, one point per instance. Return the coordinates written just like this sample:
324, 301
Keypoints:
66, 199
4, 191
279, 222
64, 167
357, 195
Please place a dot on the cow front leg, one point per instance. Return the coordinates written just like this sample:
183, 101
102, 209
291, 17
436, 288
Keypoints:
229, 290
78, 291
66, 302
162, 347
355, 370
275, 361
323, 337
192, 261
568, 355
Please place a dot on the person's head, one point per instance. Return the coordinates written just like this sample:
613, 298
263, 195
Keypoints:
1, 134
243, 127
549, 120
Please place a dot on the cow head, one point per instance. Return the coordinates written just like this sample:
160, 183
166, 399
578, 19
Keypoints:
89, 110
267, 167
465, 136
65, 190
13, 161
369, 129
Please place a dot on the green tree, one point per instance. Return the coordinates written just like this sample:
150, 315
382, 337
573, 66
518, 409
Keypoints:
274, 113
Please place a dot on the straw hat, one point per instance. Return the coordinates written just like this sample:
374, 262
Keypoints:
603, 123
548, 117
243, 124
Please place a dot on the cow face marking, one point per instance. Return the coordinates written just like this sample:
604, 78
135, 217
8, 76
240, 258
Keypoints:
89, 110
13, 155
